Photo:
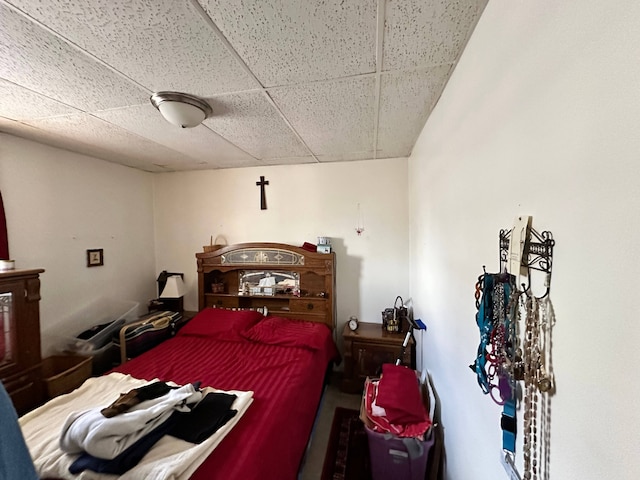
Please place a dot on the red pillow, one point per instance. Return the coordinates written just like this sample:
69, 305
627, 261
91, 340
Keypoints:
399, 395
220, 323
289, 333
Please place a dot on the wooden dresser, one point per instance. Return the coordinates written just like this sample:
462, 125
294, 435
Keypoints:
303, 284
20, 360
366, 349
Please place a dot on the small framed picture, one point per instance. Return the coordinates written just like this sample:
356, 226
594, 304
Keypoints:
95, 257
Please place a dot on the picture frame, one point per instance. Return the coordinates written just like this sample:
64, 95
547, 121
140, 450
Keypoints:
95, 257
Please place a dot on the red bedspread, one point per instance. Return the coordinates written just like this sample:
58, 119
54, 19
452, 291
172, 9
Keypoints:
270, 439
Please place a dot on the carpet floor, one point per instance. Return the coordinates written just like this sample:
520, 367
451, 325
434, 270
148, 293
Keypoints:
347, 455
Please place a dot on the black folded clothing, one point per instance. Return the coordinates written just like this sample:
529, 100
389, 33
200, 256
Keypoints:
212, 413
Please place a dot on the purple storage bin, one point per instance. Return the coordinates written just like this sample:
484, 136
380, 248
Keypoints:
398, 458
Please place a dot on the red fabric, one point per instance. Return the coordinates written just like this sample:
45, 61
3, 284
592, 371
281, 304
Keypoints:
310, 247
270, 439
4, 238
288, 332
383, 425
220, 323
399, 394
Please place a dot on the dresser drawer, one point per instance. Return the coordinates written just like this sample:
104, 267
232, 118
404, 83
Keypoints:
369, 358
308, 305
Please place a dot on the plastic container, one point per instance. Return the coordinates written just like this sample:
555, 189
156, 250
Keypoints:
63, 373
105, 358
96, 323
398, 458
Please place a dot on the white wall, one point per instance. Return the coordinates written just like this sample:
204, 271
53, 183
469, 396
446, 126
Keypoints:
59, 204
303, 202
541, 117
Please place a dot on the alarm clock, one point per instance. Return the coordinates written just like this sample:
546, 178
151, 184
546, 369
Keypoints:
353, 323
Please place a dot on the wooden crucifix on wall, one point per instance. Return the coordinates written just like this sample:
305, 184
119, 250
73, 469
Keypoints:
263, 195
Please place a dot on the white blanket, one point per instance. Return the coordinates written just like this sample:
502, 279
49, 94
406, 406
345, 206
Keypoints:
169, 459
90, 431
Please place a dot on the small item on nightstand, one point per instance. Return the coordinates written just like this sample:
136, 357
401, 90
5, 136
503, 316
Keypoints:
353, 323
6, 265
389, 322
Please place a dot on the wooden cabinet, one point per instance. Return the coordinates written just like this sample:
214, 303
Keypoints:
20, 360
303, 282
366, 349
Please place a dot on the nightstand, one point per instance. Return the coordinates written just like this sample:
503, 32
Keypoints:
366, 349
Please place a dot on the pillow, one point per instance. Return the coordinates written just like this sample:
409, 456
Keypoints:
289, 333
220, 323
399, 394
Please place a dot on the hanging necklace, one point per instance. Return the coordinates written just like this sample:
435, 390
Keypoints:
531, 376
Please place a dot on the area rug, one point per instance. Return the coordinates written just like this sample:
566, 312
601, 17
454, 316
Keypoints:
347, 456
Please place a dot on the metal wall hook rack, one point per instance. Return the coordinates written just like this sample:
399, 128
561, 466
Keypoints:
538, 255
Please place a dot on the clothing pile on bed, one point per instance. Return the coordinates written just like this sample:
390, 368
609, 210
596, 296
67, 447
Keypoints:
393, 404
114, 439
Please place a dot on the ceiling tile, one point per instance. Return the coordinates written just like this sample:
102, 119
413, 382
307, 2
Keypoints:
422, 33
331, 117
406, 99
200, 143
289, 160
162, 44
20, 103
346, 157
40, 61
55, 140
290, 41
250, 121
105, 137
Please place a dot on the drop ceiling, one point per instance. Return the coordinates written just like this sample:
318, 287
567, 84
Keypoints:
289, 81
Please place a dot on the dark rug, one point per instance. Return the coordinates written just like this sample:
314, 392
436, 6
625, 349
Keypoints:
347, 456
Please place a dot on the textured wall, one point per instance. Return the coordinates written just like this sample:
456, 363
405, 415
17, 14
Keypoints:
303, 202
58, 205
540, 117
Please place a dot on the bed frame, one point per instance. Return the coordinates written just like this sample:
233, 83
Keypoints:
221, 271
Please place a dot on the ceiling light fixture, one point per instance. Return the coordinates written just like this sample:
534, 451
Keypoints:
181, 109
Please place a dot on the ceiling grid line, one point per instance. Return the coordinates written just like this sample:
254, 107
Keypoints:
209, 21
74, 46
381, 8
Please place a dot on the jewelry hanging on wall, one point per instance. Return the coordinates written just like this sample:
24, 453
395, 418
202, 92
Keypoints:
539, 386
547, 323
531, 375
515, 346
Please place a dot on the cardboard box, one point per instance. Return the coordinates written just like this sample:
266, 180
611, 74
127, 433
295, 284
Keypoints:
63, 373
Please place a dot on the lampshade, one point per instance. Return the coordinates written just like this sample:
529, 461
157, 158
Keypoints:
181, 109
174, 288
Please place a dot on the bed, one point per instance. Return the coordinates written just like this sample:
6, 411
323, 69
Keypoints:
278, 360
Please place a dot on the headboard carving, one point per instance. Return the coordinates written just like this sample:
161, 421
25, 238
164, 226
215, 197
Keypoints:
262, 256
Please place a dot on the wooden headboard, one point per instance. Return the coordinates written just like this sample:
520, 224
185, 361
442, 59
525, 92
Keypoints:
303, 287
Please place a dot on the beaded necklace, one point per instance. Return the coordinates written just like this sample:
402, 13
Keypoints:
531, 364
538, 385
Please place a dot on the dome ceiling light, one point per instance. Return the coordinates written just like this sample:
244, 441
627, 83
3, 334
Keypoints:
181, 109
